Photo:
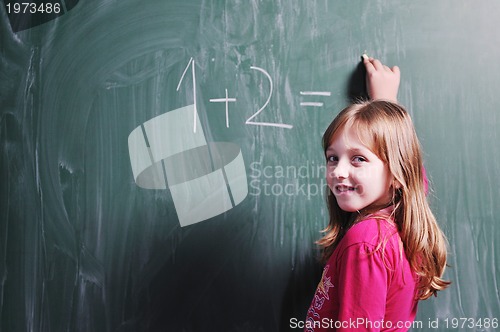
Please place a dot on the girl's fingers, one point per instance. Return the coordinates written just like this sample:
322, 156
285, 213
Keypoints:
368, 65
395, 70
373, 65
377, 64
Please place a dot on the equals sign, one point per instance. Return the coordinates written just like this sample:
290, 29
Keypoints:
314, 93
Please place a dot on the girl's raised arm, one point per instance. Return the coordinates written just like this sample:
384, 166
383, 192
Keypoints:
382, 82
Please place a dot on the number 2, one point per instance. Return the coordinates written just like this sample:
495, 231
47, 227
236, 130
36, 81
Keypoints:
270, 124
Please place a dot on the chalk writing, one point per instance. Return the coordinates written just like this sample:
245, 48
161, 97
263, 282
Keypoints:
195, 110
251, 120
270, 124
314, 93
224, 100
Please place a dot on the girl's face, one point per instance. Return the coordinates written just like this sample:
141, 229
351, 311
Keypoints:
355, 175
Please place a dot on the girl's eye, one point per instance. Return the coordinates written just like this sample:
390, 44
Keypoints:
332, 159
358, 159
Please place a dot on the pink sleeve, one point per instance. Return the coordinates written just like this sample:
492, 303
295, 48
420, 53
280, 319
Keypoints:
362, 289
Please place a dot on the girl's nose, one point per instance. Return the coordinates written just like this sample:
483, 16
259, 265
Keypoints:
341, 171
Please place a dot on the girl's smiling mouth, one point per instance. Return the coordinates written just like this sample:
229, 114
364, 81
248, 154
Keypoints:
343, 189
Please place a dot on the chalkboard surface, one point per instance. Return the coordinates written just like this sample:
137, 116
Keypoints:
161, 167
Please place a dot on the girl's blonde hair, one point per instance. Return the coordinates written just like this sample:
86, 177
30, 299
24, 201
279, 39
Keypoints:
387, 130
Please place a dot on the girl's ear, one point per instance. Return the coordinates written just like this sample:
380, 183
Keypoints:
396, 184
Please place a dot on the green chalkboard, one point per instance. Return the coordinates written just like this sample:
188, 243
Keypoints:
161, 166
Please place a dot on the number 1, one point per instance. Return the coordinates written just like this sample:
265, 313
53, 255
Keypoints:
195, 110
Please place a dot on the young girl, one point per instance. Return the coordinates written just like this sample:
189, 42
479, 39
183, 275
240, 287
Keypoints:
383, 249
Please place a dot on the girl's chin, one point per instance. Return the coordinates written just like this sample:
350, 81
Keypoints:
349, 208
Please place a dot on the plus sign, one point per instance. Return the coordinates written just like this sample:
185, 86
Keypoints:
224, 100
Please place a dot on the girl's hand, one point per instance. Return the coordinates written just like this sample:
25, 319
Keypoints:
382, 82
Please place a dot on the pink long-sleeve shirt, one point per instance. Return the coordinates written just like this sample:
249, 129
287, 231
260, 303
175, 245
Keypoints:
364, 289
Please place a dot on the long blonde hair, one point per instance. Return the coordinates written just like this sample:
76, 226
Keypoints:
387, 130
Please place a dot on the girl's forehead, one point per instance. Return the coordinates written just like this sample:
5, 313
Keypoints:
350, 137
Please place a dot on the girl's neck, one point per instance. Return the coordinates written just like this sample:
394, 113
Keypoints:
381, 211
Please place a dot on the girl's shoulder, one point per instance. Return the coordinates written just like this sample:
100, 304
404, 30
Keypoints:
371, 231
374, 237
